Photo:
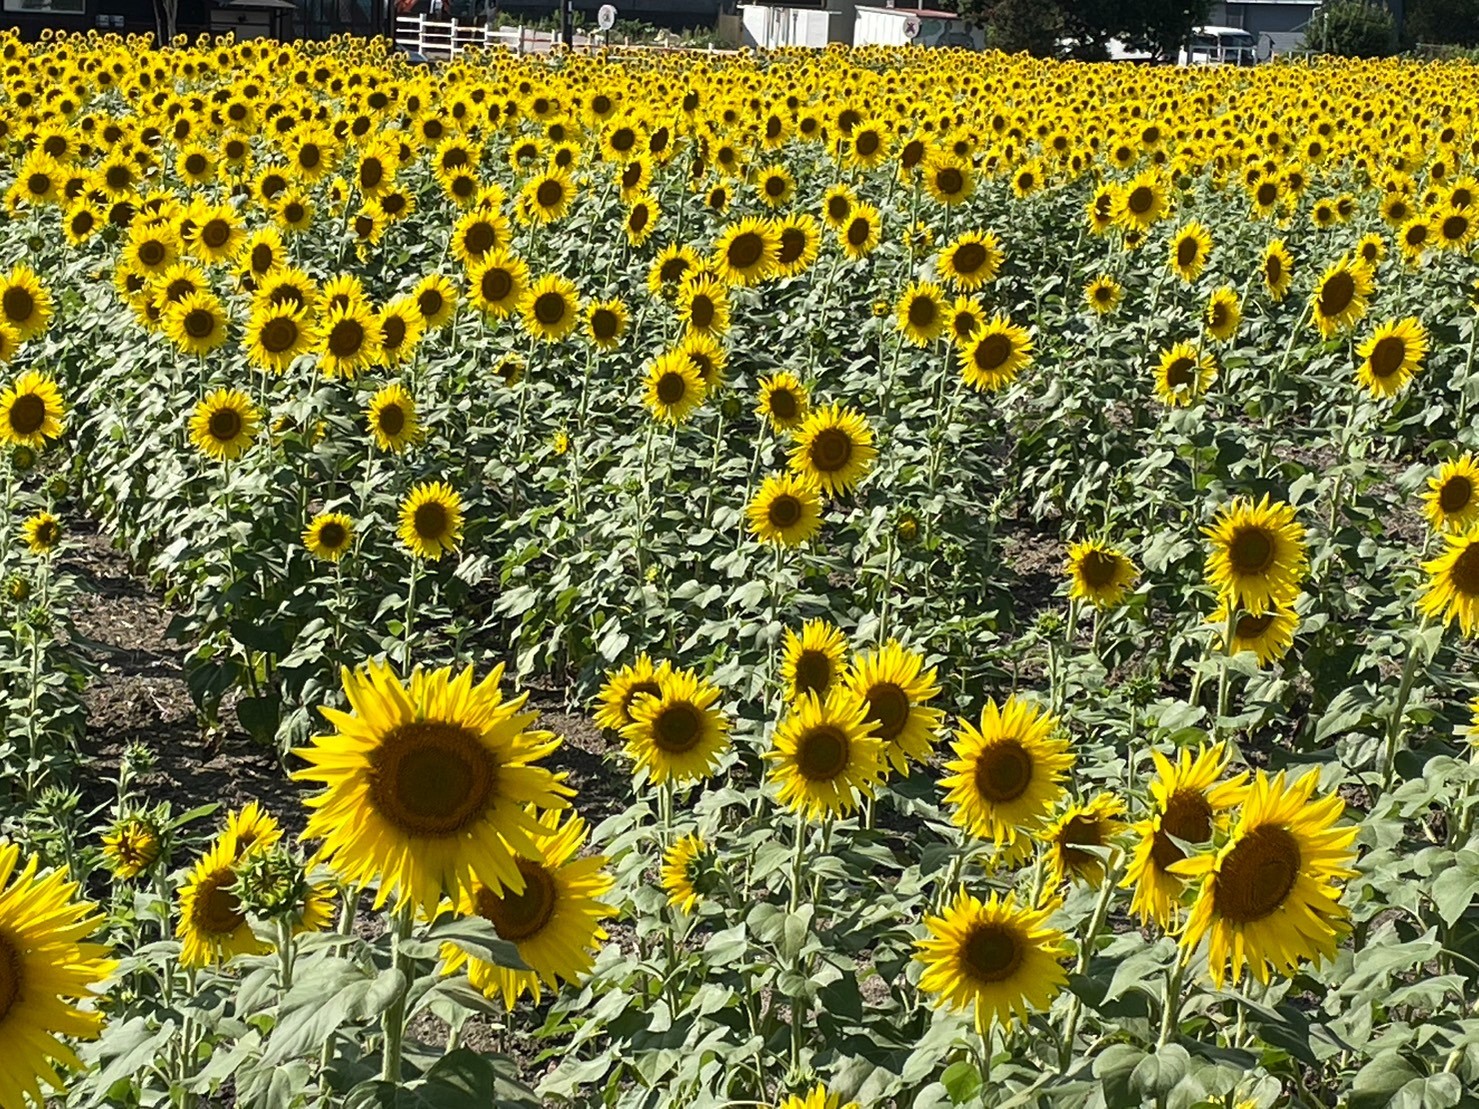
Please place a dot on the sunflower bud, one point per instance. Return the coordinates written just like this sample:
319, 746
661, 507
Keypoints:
270, 882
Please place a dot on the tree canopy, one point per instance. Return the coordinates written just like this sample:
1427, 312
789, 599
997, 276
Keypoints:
1038, 26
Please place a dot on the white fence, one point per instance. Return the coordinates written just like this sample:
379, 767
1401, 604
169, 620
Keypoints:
446, 39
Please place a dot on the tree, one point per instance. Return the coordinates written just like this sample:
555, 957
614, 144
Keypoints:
1444, 22
1030, 25
1352, 29
1038, 26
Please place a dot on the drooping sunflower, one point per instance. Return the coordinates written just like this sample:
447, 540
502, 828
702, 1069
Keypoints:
825, 754
31, 411
224, 424
784, 401
746, 252
1191, 246
1183, 375
276, 334
1339, 298
499, 283
623, 688
551, 308
673, 388
1268, 635
46, 968
921, 312
1277, 269
1271, 897
1103, 294
970, 260
834, 448
329, 535
1095, 824
1098, 573
1452, 500
391, 415
1223, 314
213, 926
25, 303
431, 520
197, 324
349, 340
426, 785
677, 734
993, 358
688, 869
1189, 804
1392, 354
1257, 557
785, 510
997, 956
814, 661
131, 847
42, 533
897, 688
553, 918
1007, 773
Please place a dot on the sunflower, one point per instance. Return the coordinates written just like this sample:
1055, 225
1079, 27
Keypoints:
329, 535
547, 197
1187, 804
287, 286
862, 231
784, 402
349, 340
42, 533
436, 300
553, 917
31, 411
10, 343
131, 847
1098, 573
1452, 500
1007, 774
499, 283
774, 186
1090, 824
673, 265
224, 424
814, 661
551, 308
1392, 354
1190, 248
431, 520
996, 955
1452, 229
623, 688
1371, 249
1270, 896
816, 1098
837, 205
276, 334
949, 180
1223, 314
746, 252
1277, 269
477, 233
1142, 201
151, 248
218, 234
825, 754
673, 388
24, 302
800, 242
785, 510
834, 448
703, 305
251, 828
893, 682
606, 323
1268, 635
994, 357
197, 324
689, 868
400, 330
1340, 296
45, 969
81, 221
677, 734
1414, 237
1103, 294
1257, 558
213, 925
1183, 375
426, 785
921, 312
391, 415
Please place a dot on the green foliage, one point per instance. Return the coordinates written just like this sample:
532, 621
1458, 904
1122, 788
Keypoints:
1352, 29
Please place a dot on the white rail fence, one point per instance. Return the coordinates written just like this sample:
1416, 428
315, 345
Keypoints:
445, 39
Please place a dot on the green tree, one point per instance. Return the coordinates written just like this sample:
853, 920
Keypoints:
1030, 25
1352, 29
1445, 22
1037, 26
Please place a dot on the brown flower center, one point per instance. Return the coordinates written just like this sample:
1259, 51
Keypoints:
678, 727
822, 753
431, 520
549, 308
1455, 494
1387, 356
888, 705
1336, 294
991, 953
19, 304
27, 414
346, 338
992, 352
1003, 771
1251, 550
1465, 572
521, 916
225, 425
1257, 875
1188, 817
784, 511
831, 450
432, 778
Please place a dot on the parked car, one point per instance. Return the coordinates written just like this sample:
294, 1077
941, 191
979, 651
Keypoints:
1219, 46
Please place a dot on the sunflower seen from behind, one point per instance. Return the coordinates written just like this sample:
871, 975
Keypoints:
1007, 773
677, 734
426, 785
896, 687
833, 447
224, 424
431, 520
824, 755
1256, 554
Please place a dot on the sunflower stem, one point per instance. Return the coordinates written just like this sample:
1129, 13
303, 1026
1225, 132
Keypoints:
408, 628
1224, 675
1171, 1009
285, 952
394, 1021
797, 858
1399, 710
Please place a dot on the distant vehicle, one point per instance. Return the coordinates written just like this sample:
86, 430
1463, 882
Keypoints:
1219, 46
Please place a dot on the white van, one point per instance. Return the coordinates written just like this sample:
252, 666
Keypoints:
1219, 46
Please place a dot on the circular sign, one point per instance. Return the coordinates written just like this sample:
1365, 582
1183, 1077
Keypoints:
606, 17
911, 26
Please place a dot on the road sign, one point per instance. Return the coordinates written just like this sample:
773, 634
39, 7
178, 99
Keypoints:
911, 26
606, 17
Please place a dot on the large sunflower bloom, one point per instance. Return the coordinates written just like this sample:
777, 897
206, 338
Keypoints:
1007, 773
1391, 355
896, 687
825, 754
834, 447
431, 520
1452, 500
677, 734
31, 411
1098, 573
1257, 558
1453, 586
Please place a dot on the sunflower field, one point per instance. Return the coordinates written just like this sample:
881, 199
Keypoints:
1004, 535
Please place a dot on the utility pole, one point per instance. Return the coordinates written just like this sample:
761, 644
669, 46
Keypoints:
567, 32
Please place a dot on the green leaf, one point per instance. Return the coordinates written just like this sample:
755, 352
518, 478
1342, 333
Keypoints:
1156, 1075
474, 935
1377, 1083
962, 1081
327, 997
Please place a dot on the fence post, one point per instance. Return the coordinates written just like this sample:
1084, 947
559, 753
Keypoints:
521, 39
452, 39
421, 34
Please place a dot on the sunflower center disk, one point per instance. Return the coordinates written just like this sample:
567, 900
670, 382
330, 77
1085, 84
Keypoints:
1140, 199
429, 303
992, 953
949, 181
671, 389
746, 250
701, 313
678, 728
785, 512
858, 232
813, 672
521, 916
346, 338
831, 450
1257, 875
279, 335
889, 706
793, 245
430, 520
18, 304
27, 414
922, 312
219, 911
1186, 252
496, 285
225, 424
1387, 356
216, 233
199, 324
332, 536
392, 420
1080, 832
549, 194
432, 778
1251, 551
1465, 572
1098, 569
1455, 494
1179, 375
992, 352
1003, 772
549, 308
783, 404
822, 754
1337, 293
1188, 817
